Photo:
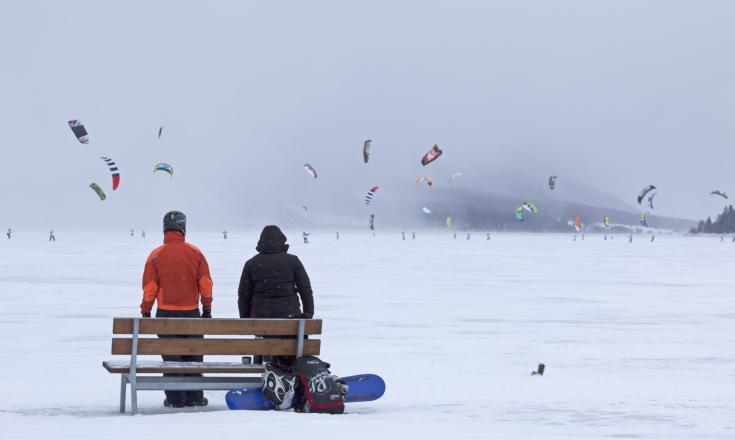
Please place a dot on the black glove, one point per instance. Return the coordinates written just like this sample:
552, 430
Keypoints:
146, 314
207, 313
301, 316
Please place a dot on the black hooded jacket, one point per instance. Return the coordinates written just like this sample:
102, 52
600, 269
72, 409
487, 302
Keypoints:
272, 279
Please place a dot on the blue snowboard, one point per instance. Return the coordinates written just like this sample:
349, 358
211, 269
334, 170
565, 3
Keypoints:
363, 388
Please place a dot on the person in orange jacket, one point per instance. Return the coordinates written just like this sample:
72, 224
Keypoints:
177, 278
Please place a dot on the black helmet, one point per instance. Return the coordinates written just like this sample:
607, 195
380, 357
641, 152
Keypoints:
174, 221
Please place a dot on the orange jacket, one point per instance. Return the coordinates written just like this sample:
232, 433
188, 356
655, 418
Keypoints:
175, 275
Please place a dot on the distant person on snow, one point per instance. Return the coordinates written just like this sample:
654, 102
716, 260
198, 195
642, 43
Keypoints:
9, 233
403, 236
413, 236
653, 237
630, 238
177, 277
224, 234
488, 236
337, 235
306, 237
468, 236
142, 234
51, 236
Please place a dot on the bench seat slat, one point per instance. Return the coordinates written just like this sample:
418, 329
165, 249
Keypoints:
123, 367
210, 346
196, 326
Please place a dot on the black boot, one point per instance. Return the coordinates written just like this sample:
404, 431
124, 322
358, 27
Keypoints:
168, 404
199, 402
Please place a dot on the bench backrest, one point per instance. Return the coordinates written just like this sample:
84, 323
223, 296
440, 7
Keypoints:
173, 327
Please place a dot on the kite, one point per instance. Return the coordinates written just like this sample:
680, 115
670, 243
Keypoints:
719, 193
650, 200
370, 194
431, 156
645, 191
429, 181
552, 182
160, 130
577, 224
643, 219
530, 207
113, 170
310, 169
164, 167
372, 222
519, 213
454, 176
449, 222
96, 188
426, 210
79, 131
366, 150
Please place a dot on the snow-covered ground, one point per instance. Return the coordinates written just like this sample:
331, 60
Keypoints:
637, 339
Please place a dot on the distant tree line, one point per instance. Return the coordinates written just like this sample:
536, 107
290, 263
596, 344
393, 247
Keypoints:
723, 224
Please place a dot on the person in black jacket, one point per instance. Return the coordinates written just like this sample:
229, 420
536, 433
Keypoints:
272, 281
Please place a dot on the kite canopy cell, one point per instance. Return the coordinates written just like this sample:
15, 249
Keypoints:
164, 167
643, 193
79, 131
113, 170
310, 170
370, 194
431, 155
96, 188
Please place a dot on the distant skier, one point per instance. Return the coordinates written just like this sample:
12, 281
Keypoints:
733, 238
224, 234
403, 236
132, 233
9, 234
273, 281
468, 236
306, 237
413, 236
605, 237
487, 236
180, 270
455, 235
337, 235
51, 236
630, 238
142, 233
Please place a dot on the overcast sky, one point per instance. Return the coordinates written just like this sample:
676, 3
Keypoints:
615, 95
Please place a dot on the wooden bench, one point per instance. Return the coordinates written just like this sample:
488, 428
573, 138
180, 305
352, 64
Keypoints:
247, 343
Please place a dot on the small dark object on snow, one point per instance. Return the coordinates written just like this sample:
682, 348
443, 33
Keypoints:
540, 371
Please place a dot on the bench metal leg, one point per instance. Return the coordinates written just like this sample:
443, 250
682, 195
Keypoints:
133, 366
133, 399
123, 383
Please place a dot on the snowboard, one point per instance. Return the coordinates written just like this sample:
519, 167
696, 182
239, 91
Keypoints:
363, 388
